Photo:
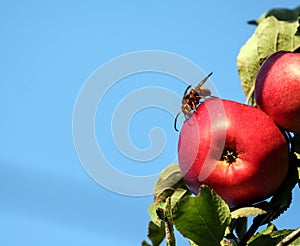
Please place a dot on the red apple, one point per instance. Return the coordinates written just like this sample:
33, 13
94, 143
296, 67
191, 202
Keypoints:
277, 89
235, 149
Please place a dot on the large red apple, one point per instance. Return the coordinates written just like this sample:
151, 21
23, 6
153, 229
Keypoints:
277, 89
235, 149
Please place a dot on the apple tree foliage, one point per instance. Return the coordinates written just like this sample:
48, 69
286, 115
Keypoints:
206, 219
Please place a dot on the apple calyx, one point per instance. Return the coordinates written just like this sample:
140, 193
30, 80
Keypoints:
229, 155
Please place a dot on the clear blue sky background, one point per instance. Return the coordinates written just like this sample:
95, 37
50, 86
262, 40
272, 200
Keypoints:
47, 51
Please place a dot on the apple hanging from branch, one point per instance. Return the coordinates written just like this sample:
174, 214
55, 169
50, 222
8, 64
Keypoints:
235, 149
277, 89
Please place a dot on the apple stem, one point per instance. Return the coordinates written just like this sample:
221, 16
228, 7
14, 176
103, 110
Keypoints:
250, 94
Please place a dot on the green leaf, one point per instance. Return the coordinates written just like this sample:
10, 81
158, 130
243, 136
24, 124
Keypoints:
295, 243
268, 230
204, 218
248, 63
287, 38
267, 34
274, 35
177, 196
281, 14
169, 180
144, 243
153, 214
156, 233
270, 236
246, 212
169, 190
265, 240
270, 36
284, 14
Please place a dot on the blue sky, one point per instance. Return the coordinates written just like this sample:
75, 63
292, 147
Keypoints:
48, 50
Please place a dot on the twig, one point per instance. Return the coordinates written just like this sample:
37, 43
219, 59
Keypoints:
290, 238
170, 239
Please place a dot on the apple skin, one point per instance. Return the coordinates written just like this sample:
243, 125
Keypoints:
277, 89
261, 150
